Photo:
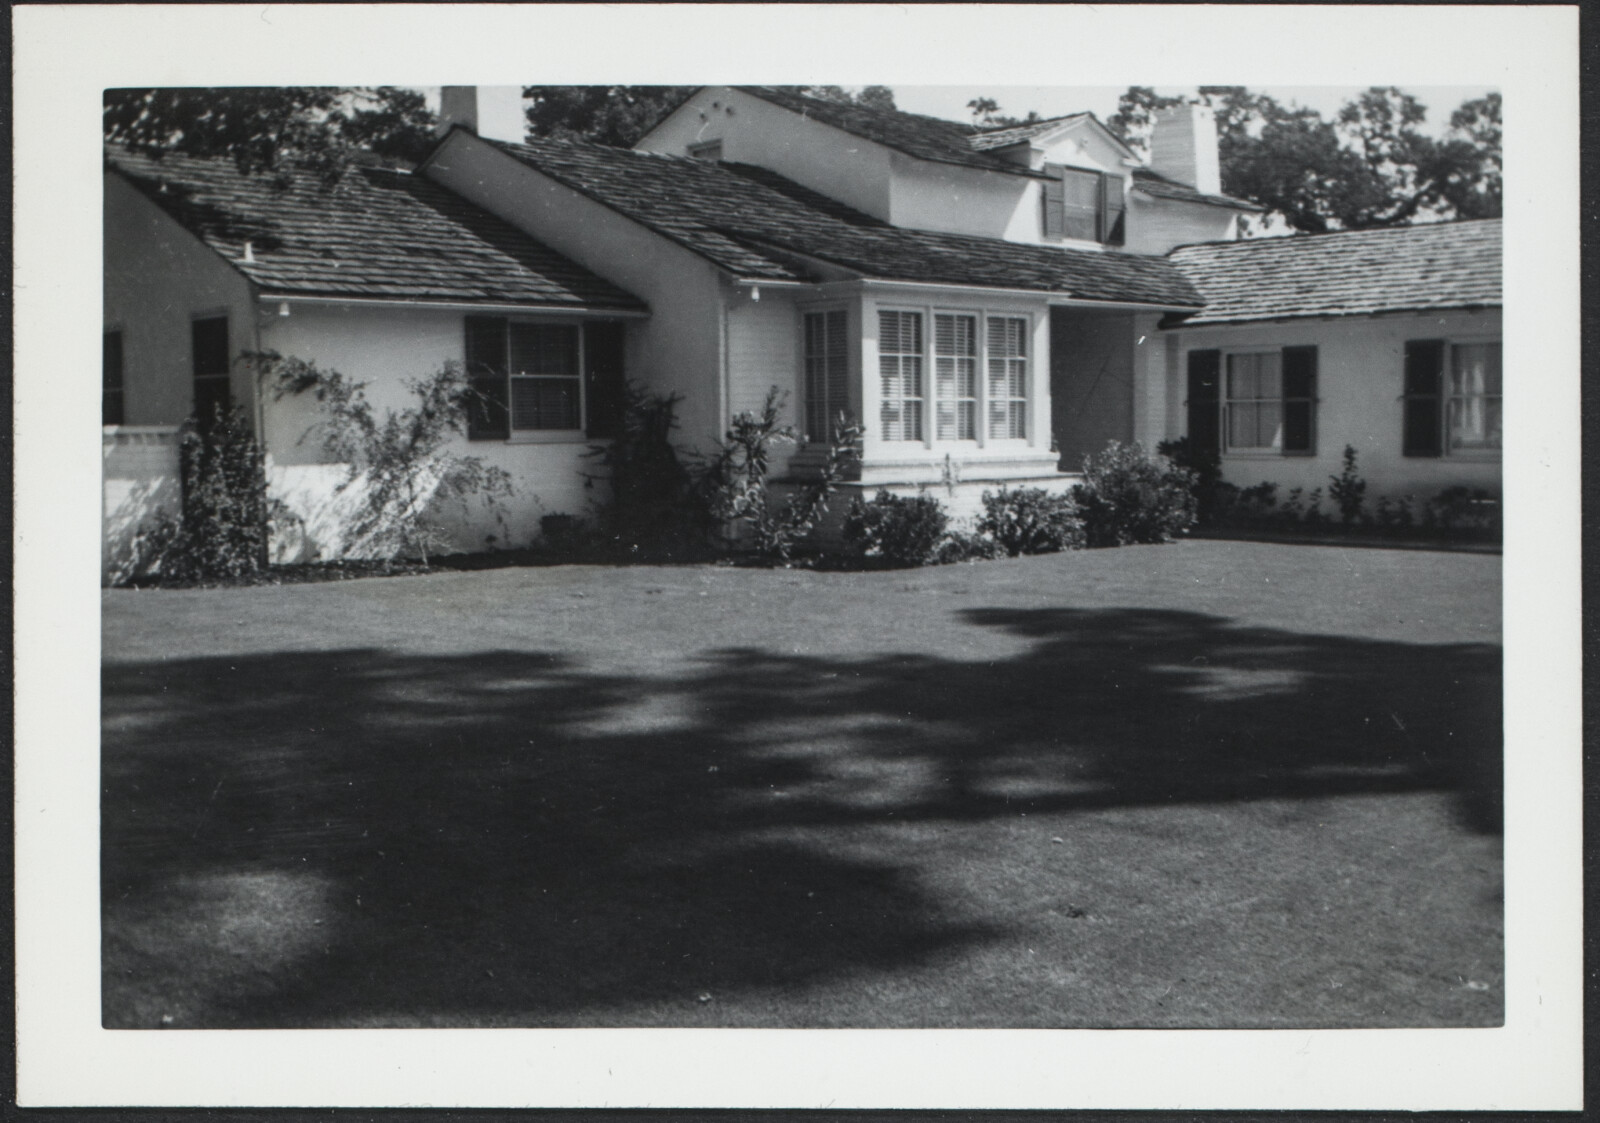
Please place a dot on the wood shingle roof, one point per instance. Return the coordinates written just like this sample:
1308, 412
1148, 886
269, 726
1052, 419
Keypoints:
376, 234
1348, 273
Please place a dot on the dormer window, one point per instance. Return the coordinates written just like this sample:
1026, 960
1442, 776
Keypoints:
1084, 205
709, 150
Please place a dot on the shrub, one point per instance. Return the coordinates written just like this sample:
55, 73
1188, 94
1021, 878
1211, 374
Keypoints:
1128, 497
1395, 513
898, 530
1348, 490
1031, 520
1212, 496
959, 546
1463, 509
654, 506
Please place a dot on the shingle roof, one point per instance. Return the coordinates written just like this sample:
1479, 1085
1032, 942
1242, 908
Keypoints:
1158, 186
1000, 138
1349, 273
927, 138
756, 224
379, 233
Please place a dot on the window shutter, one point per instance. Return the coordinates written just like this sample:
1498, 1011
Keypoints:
605, 378
1300, 400
1424, 375
1205, 415
488, 415
1053, 199
210, 339
1116, 209
111, 411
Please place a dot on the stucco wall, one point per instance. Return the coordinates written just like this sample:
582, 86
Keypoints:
957, 200
385, 347
1360, 371
680, 347
158, 279
140, 482
1155, 226
818, 156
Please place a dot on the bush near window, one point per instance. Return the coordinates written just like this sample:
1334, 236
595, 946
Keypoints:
898, 530
1128, 496
655, 509
1212, 496
960, 546
1031, 520
1348, 490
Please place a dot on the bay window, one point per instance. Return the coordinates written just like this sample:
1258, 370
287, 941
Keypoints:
827, 368
1008, 377
955, 376
980, 370
900, 375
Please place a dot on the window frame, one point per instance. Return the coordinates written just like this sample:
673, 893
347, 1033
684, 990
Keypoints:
1442, 398
210, 378
509, 378
983, 399
1225, 400
1110, 208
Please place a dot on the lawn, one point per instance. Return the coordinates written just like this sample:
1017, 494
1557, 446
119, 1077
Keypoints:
1207, 784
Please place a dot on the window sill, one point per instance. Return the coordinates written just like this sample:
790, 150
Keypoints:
549, 437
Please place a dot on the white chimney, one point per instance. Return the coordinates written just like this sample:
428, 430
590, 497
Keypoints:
494, 112
1183, 147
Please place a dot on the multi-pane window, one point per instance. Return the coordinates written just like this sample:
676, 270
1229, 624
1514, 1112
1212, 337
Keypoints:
209, 347
900, 375
111, 402
1269, 401
530, 377
1452, 397
1083, 204
955, 376
827, 359
1008, 377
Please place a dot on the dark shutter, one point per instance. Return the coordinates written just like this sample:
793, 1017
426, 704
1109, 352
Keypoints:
1300, 400
1205, 413
604, 377
111, 409
1115, 211
1424, 377
1053, 198
209, 349
488, 417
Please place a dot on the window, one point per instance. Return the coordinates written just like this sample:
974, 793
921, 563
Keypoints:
955, 377
1086, 205
1269, 402
209, 345
1008, 378
111, 407
827, 359
533, 377
710, 150
900, 372
1452, 398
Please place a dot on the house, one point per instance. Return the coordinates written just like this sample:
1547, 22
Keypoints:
991, 304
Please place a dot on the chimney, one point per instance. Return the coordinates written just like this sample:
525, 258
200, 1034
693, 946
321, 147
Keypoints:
494, 112
1183, 147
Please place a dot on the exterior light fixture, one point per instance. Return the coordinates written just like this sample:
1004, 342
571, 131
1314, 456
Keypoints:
283, 307
755, 294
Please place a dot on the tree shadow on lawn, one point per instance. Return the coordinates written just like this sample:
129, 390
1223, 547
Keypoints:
363, 837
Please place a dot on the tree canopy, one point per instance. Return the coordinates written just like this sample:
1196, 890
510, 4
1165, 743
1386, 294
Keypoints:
277, 129
1371, 166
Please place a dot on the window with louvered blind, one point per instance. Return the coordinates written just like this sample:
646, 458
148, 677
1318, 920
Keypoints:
1008, 377
827, 364
900, 361
955, 376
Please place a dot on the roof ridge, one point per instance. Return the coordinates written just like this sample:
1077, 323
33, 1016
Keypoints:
1302, 236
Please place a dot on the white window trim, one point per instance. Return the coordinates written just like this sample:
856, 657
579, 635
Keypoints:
1254, 452
1102, 210
1451, 342
982, 440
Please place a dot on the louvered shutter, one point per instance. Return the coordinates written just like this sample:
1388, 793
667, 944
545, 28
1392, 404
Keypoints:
1053, 198
488, 415
605, 378
1204, 405
1116, 207
1424, 376
1300, 400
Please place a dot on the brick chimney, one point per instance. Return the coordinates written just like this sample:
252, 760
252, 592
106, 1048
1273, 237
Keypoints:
494, 112
1183, 147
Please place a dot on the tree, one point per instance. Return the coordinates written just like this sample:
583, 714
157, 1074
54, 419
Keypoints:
278, 130
614, 115
986, 115
1371, 166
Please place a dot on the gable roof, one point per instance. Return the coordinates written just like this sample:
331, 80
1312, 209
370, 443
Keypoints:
758, 225
988, 139
378, 233
1348, 273
926, 138
1158, 186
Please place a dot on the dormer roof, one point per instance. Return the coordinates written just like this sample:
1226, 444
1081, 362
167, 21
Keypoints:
988, 140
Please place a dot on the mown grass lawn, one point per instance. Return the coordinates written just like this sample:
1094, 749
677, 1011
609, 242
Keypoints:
1207, 784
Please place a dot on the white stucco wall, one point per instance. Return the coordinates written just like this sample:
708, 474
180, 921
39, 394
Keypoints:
752, 131
158, 278
1360, 371
1155, 226
957, 200
385, 347
680, 347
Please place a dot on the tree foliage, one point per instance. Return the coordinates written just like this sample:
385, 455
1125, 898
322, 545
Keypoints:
1371, 166
986, 115
620, 115
277, 130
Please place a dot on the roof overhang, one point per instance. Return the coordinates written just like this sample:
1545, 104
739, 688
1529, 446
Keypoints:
513, 308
